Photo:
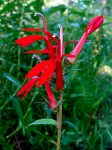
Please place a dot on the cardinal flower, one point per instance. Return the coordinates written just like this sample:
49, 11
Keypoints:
42, 73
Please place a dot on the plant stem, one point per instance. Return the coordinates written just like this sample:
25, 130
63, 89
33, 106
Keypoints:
59, 123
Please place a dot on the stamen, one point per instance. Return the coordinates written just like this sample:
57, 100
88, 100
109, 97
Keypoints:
61, 40
43, 19
37, 57
35, 77
59, 25
54, 35
38, 14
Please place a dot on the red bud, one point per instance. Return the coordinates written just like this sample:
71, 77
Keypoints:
94, 24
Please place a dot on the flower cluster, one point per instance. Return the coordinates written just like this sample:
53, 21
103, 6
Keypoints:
42, 73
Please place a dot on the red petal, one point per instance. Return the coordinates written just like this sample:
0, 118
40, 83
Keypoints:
94, 24
74, 42
45, 51
75, 52
47, 73
69, 55
27, 87
27, 40
52, 101
55, 48
59, 76
40, 30
51, 36
69, 42
33, 29
37, 69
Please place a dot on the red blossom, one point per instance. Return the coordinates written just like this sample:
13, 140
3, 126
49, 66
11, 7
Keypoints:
28, 86
91, 27
42, 73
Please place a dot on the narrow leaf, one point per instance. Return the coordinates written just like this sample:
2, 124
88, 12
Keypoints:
44, 121
18, 109
12, 79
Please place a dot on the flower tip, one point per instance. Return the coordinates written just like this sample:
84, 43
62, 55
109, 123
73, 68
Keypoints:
94, 24
100, 20
18, 42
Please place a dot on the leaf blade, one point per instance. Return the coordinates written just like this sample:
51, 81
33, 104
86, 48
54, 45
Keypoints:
44, 122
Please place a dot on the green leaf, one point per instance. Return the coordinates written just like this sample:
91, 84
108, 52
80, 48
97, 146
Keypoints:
77, 95
3, 144
12, 79
97, 103
53, 10
70, 124
76, 12
18, 109
44, 121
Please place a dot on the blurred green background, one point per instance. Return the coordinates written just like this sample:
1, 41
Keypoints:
87, 107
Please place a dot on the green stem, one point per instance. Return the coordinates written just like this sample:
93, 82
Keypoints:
59, 123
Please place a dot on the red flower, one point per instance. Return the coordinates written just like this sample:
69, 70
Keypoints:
42, 73
91, 27
28, 86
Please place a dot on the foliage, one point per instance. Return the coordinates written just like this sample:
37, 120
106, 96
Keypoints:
87, 103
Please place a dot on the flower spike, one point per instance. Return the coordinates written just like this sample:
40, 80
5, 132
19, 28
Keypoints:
42, 73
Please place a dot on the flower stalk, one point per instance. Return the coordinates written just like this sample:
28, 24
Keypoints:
59, 122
